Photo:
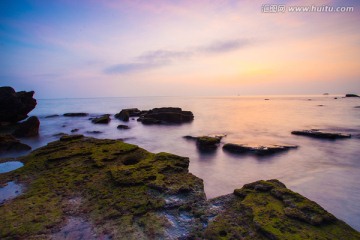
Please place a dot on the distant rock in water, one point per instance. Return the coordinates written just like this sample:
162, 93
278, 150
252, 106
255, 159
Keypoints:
74, 130
123, 115
357, 107
326, 94
351, 95
28, 128
9, 143
52, 116
93, 132
104, 119
123, 127
316, 133
257, 149
166, 115
79, 114
14, 106
206, 142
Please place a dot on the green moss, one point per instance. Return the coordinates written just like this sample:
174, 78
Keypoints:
268, 210
121, 187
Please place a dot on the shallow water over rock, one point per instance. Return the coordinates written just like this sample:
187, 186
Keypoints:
9, 191
10, 166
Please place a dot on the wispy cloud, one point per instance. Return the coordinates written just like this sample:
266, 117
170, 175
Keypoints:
155, 59
225, 46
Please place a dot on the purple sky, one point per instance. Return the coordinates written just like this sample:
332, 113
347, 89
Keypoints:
177, 48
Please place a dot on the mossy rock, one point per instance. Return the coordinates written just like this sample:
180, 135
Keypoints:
122, 189
268, 210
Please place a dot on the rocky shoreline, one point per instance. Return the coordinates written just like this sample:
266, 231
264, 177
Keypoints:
118, 189
86, 188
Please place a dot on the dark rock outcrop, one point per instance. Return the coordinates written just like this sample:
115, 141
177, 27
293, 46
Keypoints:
316, 133
123, 115
28, 128
9, 143
351, 95
79, 114
104, 119
257, 149
14, 106
166, 115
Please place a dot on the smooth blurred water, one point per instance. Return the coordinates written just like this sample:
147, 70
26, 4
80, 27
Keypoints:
327, 172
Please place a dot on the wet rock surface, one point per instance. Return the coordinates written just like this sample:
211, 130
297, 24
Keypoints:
9, 143
166, 115
316, 133
28, 128
14, 106
257, 149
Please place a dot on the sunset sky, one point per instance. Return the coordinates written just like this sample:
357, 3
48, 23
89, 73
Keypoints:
108, 48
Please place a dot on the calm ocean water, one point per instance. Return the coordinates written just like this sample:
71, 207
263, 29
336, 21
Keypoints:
327, 172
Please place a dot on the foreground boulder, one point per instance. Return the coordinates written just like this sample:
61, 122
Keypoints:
123, 190
28, 128
104, 119
315, 133
120, 191
9, 143
166, 115
268, 210
14, 106
257, 149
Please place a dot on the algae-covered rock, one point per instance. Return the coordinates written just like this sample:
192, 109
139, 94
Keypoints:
104, 119
268, 210
108, 189
121, 190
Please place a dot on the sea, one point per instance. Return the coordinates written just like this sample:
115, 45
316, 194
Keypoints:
325, 171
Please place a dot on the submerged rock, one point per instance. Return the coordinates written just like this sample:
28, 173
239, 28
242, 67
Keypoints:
79, 114
124, 192
123, 127
28, 128
166, 115
268, 210
316, 133
257, 149
351, 95
9, 143
14, 106
104, 119
93, 132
